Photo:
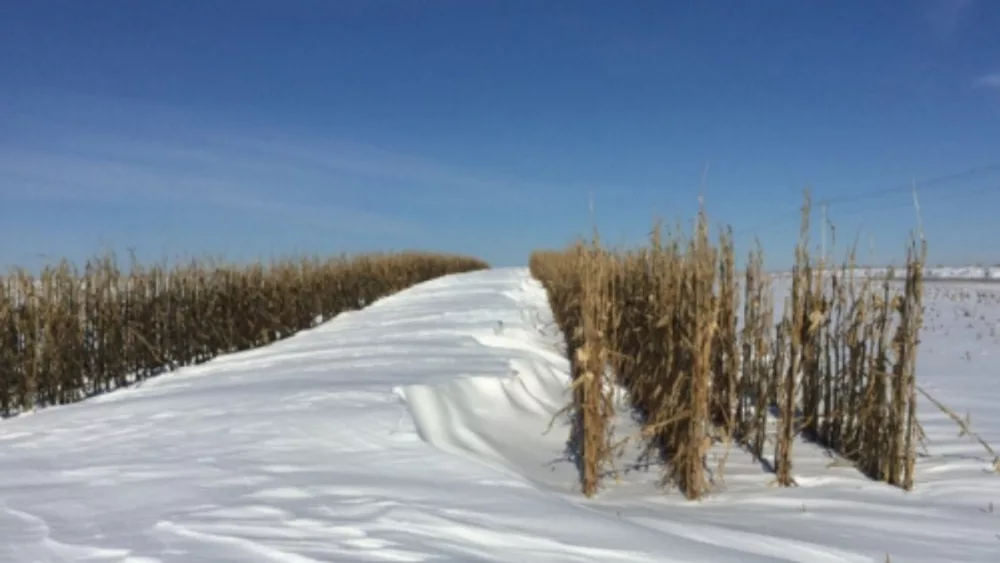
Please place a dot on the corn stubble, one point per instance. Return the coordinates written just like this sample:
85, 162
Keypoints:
68, 333
705, 360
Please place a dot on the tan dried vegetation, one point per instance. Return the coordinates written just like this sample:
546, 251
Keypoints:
704, 358
68, 333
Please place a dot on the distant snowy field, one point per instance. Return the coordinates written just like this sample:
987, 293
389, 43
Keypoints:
414, 431
967, 272
956, 273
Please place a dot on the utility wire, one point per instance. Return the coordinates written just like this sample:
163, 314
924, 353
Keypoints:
930, 184
897, 205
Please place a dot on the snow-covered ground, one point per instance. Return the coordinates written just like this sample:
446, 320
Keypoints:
966, 272
415, 430
955, 273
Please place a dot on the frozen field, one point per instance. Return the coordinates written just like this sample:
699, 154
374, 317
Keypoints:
936, 273
415, 431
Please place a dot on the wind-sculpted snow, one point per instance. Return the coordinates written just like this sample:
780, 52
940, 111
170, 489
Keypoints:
415, 430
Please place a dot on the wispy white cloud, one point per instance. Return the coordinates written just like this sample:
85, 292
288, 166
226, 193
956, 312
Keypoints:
121, 158
988, 81
120, 150
106, 176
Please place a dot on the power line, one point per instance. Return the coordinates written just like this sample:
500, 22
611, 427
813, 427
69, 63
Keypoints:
964, 192
930, 184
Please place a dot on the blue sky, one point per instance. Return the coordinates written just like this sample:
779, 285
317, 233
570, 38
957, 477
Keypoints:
250, 128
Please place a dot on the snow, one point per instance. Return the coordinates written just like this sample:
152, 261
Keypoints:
938, 273
964, 272
415, 430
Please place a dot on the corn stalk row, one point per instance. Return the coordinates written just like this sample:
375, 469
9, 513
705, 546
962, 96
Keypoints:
706, 356
70, 333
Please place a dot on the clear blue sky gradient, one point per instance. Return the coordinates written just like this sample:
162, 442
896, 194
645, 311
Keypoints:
251, 128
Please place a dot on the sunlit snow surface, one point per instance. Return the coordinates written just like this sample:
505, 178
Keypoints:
415, 431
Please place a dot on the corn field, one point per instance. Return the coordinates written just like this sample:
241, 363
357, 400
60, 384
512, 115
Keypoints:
710, 355
71, 333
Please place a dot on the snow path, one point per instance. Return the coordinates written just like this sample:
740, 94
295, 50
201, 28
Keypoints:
413, 431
